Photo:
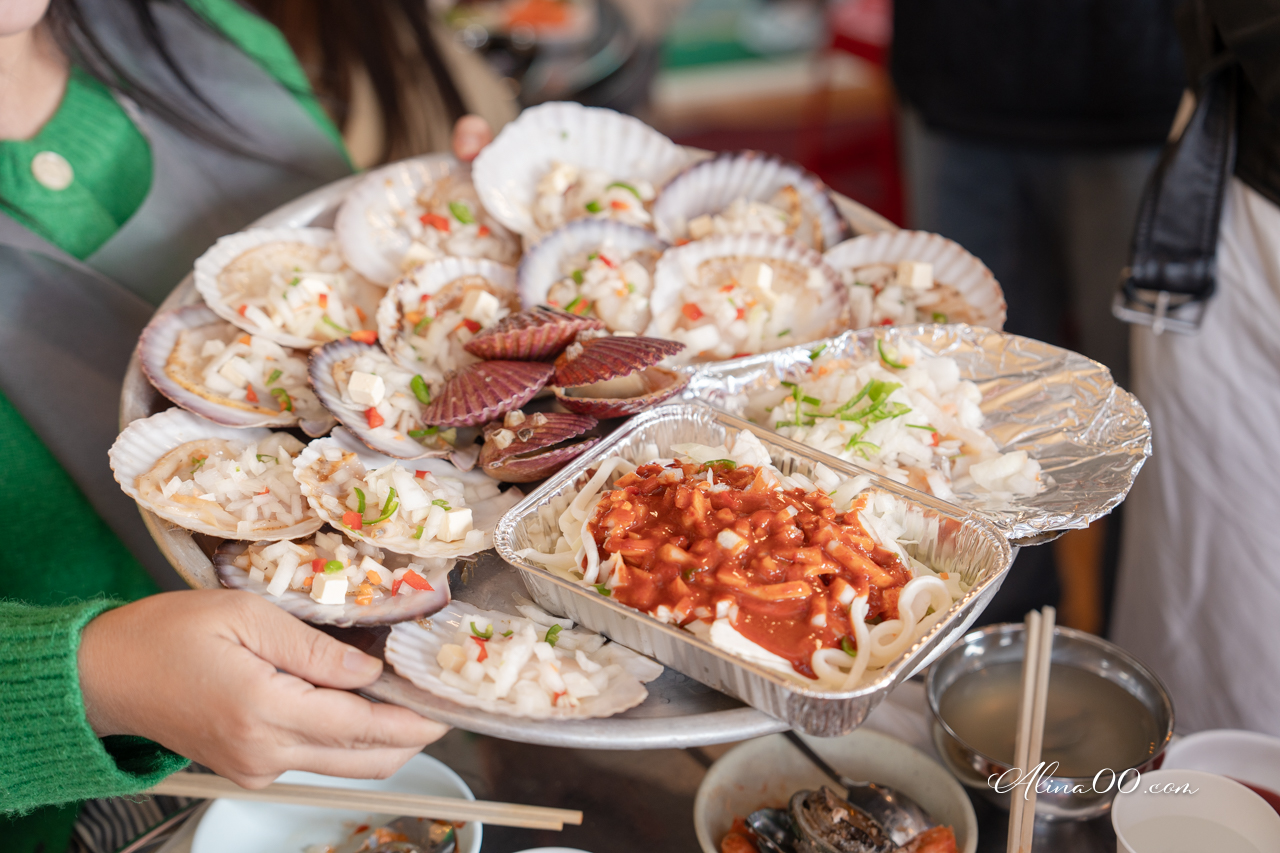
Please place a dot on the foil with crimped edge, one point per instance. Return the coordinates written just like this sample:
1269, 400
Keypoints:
1090, 436
946, 538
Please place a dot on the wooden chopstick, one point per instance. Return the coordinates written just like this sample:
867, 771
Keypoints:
1022, 739
209, 786
1043, 670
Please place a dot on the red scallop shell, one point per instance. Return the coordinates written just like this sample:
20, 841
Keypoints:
479, 393
520, 461
595, 359
621, 407
534, 335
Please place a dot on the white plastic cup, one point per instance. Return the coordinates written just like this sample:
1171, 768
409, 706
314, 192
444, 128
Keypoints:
1220, 816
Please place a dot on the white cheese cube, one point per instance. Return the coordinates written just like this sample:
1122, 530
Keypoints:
231, 371
701, 226
456, 524
480, 305
329, 589
701, 338
759, 277
915, 275
366, 389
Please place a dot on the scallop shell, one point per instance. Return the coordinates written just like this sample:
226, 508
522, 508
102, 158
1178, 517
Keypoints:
597, 358
314, 473
658, 383
532, 335
427, 280
712, 185
371, 224
952, 265
543, 263
417, 604
483, 392
209, 266
143, 443
822, 315
383, 439
156, 354
413, 649
534, 453
508, 169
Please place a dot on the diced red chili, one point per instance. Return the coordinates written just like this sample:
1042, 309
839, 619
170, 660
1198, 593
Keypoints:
250, 394
374, 417
692, 311
365, 336
416, 581
351, 519
436, 221
483, 231
317, 565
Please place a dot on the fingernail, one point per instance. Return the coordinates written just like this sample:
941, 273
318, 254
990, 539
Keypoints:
358, 661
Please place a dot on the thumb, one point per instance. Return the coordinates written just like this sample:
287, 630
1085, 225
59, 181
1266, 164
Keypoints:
470, 134
290, 645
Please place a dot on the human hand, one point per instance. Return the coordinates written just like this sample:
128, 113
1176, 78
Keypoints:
233, 682
470, 134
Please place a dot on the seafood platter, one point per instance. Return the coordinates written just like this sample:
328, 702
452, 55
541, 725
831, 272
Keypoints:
599, 432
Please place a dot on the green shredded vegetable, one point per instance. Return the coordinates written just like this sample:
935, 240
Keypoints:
263, 457
275, 374
813, 356
624, 185
727, 463
424, 433
577, 276
461, 212
593, 206
387, 508
507, 633
443, 504
846, 645
924, 427
603, 590
359, 500
553, 634
894, 364
329, 322
860, 447
333, 567
197, 462
420, 326
784, 333
939, 317
486, 634
420, 390
286, 402
418, 534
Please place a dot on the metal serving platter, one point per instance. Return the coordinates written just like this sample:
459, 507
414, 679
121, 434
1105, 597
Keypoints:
949, 539
679, 712
1090, 436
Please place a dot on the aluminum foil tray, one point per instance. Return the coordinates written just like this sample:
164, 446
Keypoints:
959, 541
1090, 436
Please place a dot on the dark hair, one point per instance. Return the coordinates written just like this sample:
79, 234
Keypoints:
390, 39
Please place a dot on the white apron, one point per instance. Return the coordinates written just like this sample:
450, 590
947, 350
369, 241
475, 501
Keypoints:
1198, 595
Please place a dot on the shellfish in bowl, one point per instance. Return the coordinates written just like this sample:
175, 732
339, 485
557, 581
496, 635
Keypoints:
748, 192
522, 448
288, 284
562, 161
328, 579
427, 318
418, 210
220, 372
596, 268
426, 507
742, 294
213, 479
613, 376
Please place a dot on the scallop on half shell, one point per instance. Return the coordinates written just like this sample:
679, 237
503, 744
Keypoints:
744, 294
214, 479
426, 319
436, 509
288, 284
593, 267
220, 372
618, 151
417, 210
748, 192
613, 376
273, 571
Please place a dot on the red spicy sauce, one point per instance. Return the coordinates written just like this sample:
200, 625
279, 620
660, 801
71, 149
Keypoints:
788, 560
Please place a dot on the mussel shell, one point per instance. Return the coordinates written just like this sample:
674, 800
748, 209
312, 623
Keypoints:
526, 459
593, 359
710, 186
664, 383
320, 366
828, 824
543, 263
483, 392
145, 441
534, 334
155, 348
400, 608
427, 280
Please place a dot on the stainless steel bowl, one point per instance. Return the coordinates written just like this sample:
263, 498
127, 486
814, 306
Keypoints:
1059, 797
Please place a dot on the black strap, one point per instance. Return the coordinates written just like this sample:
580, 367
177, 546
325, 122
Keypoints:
1176, 238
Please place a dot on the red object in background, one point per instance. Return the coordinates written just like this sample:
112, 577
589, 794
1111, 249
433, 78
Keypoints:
863, 28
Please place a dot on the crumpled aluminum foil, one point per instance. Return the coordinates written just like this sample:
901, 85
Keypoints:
1090, 436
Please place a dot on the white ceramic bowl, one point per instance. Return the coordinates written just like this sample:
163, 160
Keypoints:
768, 770
252, 827
1189, 811
1247, 757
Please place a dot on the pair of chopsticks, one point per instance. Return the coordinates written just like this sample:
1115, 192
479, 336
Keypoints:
1036, 664
208, 786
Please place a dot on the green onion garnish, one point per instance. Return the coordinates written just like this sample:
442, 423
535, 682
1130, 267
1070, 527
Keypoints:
275, 374
418, 534
359, 500
939, 317
420, 390
784, 333
727, 463
895, 364
860, 447
846, 645
593, 206
333, 567
552, 634
286, 402
197, 462
813, 356
421, 325
603, 590
263, 457
424, 433
293, 282
329, 322
387, 508
461, 212
443, 504
507, 633
923, 427
572, 305
578, 276
812, 401
635, 192
486, 634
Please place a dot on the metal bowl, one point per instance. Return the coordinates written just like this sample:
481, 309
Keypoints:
1059, 797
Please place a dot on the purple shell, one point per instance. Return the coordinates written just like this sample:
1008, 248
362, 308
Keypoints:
521, 461
663, 382
595, 358
483, 392
533, 335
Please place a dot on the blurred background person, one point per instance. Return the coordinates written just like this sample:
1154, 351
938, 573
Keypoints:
1029, 131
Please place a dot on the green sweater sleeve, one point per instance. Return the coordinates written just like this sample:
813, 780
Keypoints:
48, 752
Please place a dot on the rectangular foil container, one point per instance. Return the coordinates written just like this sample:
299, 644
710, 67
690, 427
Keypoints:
956, 541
